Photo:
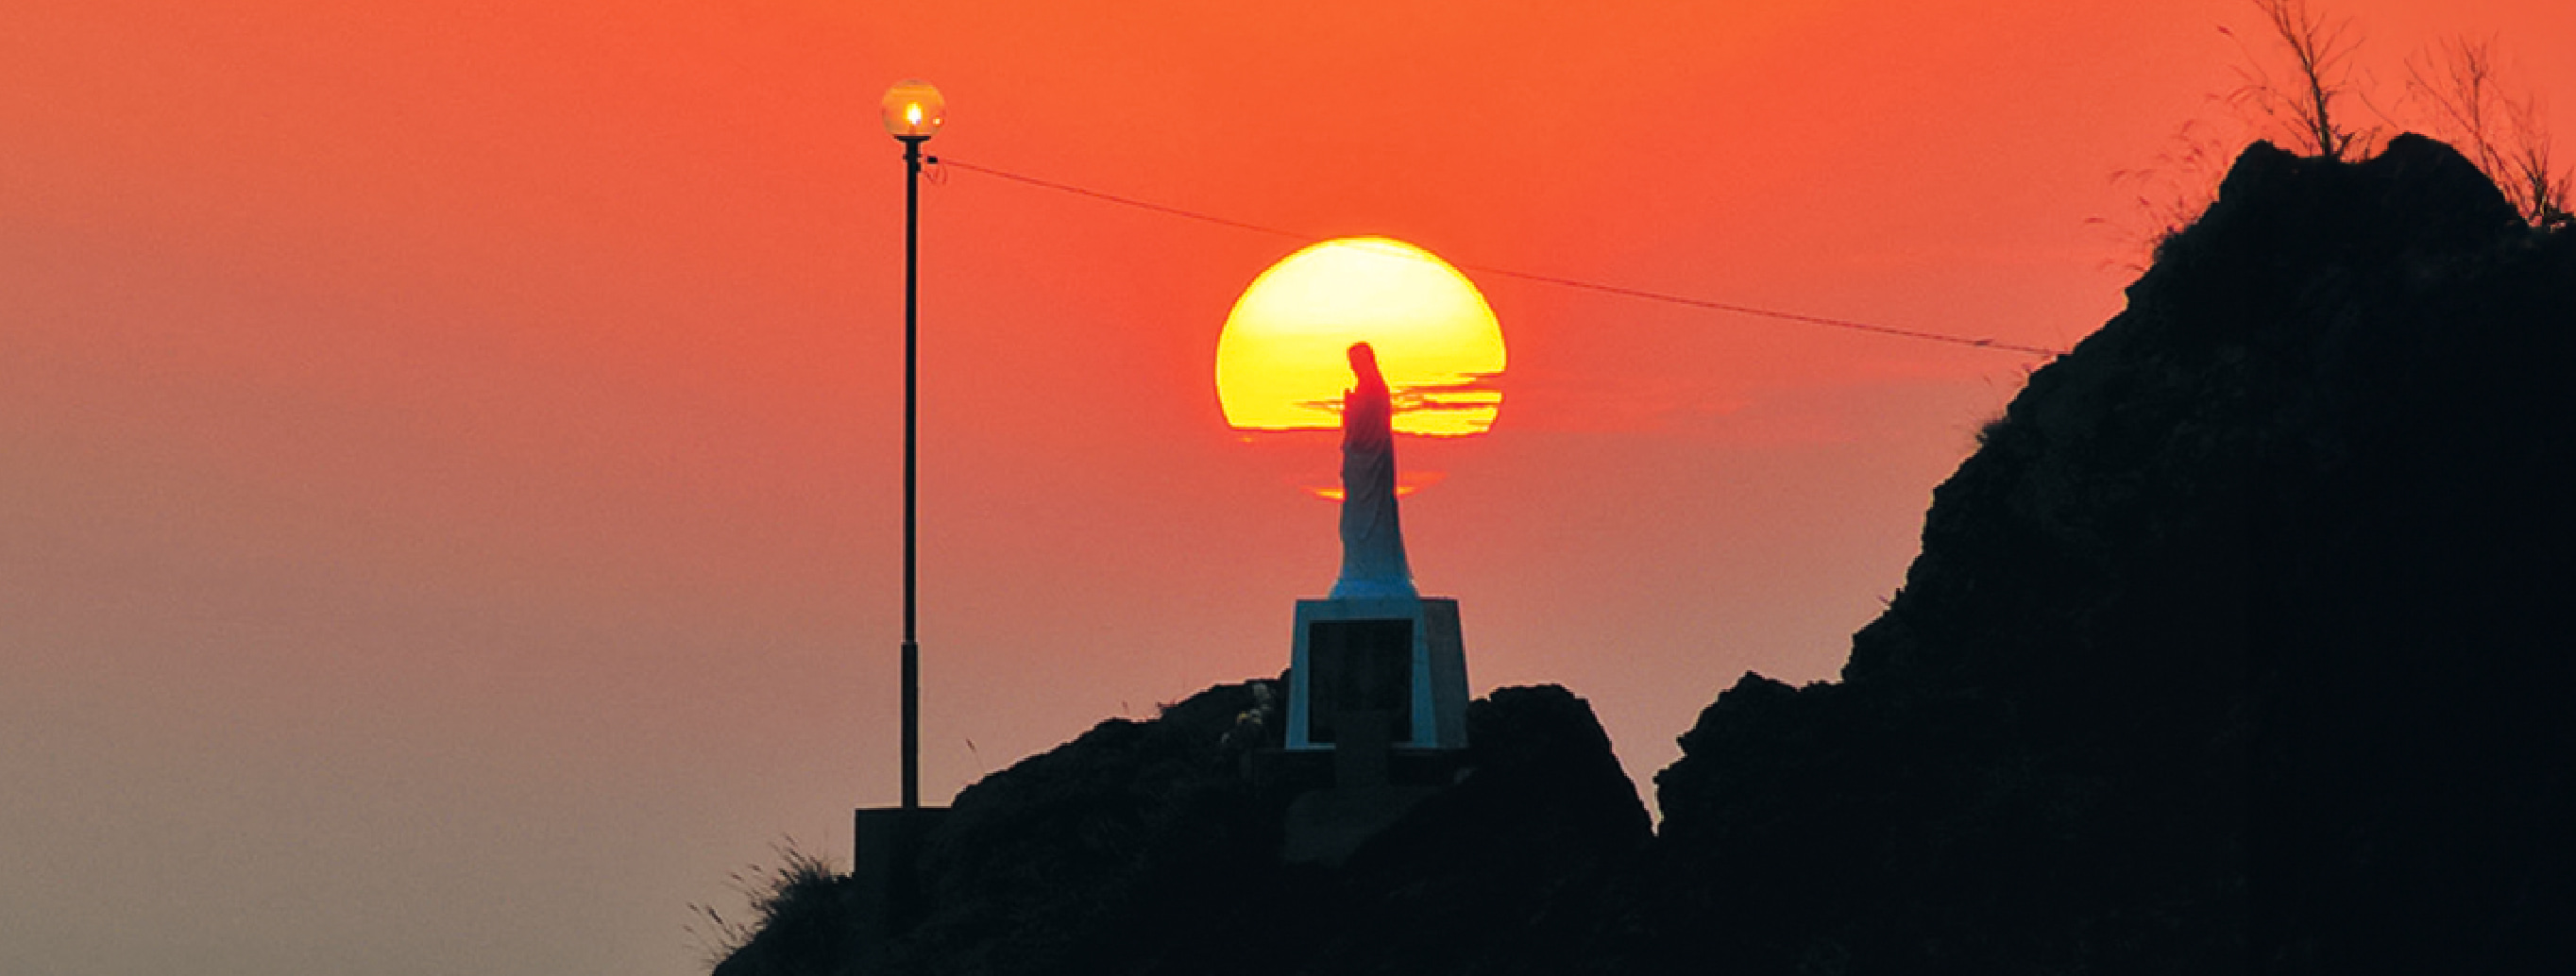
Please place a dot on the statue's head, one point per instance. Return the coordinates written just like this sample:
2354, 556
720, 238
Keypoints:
1363, 360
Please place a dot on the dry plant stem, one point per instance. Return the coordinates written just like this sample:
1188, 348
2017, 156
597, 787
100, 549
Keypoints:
2320, 52
2501, 134
2170, 195
2461, 92
2543, 187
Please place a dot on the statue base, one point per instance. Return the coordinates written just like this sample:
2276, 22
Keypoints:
1393, 670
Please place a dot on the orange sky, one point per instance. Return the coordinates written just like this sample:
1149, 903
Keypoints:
447, 451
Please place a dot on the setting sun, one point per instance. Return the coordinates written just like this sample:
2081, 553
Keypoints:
1280, 364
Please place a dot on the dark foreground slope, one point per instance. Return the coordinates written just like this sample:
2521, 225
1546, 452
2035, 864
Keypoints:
1143, 848
2241, 645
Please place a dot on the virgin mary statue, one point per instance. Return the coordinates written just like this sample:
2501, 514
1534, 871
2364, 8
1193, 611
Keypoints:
1373, 566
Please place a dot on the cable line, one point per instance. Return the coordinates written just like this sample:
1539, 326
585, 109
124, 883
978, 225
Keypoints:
1114, 198
1637, 293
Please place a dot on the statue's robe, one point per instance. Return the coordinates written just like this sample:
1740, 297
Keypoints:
1373, 565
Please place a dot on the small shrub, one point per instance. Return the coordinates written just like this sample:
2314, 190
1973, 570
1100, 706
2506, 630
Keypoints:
798, 901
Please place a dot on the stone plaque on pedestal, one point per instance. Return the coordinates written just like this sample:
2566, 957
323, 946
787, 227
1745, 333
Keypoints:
1399, 658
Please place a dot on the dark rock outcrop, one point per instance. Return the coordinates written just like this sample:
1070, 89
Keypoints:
1142, 847
2238, 646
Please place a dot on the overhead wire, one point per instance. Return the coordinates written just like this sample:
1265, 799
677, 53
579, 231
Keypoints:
1578, 283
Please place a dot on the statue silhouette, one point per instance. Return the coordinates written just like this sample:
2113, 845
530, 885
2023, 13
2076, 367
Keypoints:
1373, 565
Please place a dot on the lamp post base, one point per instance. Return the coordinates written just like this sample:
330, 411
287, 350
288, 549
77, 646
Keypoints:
884, 866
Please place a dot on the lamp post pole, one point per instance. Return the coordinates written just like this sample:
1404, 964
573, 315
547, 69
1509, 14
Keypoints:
911, 397
885, 841
913, 112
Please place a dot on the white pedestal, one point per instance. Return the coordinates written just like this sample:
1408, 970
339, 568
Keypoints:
1351, 644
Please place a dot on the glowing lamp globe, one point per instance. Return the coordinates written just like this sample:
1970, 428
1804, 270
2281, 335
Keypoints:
912, 109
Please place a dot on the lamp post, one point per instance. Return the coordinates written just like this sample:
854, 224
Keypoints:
912, 112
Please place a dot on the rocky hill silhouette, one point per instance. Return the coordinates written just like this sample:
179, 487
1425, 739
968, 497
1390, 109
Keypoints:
2239, 645
1144, 847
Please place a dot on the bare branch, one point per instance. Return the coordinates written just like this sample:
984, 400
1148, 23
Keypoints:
2538, 186
2321, 54
2503, 135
